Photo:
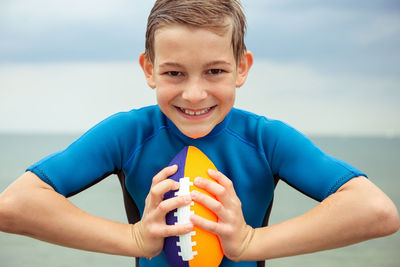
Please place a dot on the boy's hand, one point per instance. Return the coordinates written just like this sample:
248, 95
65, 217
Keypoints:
150, 231
231, 228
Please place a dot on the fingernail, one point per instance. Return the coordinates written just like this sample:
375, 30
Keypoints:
187, 198
189, 226
177, 185
212, 172
197, 180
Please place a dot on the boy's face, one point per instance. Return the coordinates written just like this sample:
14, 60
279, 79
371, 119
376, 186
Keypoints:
195, 76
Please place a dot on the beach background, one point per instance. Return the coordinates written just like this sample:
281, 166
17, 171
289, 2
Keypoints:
328, 68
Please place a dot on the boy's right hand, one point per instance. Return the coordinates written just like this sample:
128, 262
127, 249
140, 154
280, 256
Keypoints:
150, 231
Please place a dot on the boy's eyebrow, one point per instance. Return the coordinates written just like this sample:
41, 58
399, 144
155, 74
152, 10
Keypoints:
217, 62
170, 64
212, 63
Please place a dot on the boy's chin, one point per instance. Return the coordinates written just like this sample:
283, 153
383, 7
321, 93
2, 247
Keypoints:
195, 133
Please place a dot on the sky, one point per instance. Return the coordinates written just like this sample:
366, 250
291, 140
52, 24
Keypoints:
325, 67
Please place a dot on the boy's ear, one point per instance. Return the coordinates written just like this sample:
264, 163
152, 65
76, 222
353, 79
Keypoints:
244, 65
148, 70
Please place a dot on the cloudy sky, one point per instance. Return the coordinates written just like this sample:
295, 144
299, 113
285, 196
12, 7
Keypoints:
325, 67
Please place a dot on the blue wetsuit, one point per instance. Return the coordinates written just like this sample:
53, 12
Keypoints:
253, 151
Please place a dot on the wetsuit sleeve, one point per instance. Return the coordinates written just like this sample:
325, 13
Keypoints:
92, 157
301, 164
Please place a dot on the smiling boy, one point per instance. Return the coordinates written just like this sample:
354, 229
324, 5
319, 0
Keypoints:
195, 59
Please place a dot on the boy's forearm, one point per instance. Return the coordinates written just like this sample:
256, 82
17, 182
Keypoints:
41, 213
357, 212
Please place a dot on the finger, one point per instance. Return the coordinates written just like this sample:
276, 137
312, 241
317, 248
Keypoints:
173, 203
177, 229
220, 178
211, 203
164, 174
205, 224
212, 187
157, 192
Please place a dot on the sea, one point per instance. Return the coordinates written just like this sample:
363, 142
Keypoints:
378, 157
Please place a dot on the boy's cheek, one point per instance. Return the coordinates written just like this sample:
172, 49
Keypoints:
165, 92
162, 96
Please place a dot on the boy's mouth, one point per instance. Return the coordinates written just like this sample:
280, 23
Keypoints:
195, 112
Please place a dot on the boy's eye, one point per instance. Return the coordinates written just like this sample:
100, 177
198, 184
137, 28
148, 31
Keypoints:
174, 73
215, 71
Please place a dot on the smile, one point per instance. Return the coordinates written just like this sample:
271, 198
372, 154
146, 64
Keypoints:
195, 112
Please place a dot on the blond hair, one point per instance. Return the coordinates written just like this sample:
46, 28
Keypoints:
216, 15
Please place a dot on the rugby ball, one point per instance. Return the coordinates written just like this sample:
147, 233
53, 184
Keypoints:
198, 248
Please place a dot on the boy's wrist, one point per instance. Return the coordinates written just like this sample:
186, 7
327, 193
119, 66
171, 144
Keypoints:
143, 246
137, 241
244, 253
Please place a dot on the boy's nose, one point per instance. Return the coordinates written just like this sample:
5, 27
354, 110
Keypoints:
194, 92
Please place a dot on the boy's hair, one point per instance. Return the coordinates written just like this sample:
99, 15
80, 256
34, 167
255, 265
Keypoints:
213, 14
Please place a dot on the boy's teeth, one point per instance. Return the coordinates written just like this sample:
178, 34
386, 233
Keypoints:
189, 112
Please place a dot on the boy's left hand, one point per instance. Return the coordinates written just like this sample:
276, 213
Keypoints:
231, 228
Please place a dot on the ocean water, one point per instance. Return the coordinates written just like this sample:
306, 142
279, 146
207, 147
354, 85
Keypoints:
378, 157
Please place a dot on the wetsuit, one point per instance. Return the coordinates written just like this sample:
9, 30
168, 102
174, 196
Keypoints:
253, 151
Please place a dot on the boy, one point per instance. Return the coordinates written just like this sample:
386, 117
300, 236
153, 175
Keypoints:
195, 58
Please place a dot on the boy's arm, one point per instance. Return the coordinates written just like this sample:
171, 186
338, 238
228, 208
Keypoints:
356, 212
31, 207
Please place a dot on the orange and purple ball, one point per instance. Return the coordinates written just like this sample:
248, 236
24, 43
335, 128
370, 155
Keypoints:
198, 248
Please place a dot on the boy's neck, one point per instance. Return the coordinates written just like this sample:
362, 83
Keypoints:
215, 131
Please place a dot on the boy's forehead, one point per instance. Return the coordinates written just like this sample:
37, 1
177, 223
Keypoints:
224, 28
177, 39
180, 30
